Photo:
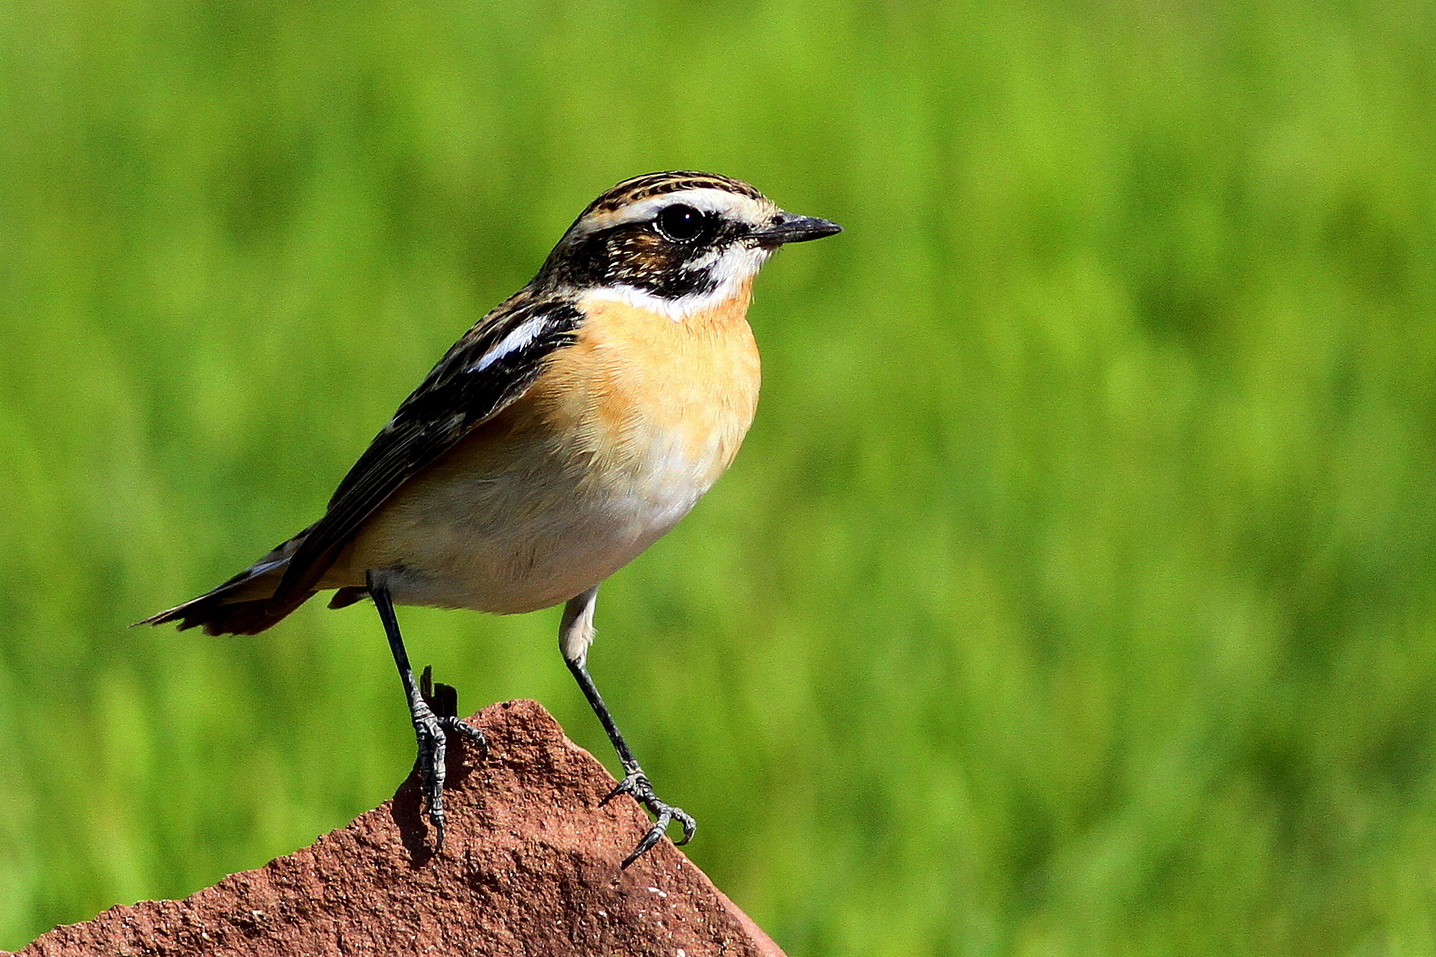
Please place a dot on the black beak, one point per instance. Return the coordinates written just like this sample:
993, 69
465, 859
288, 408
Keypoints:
788, 228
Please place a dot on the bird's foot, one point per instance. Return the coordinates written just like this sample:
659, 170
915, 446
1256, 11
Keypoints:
636, 783
432, 731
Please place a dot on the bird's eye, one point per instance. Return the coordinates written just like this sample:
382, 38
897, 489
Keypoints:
681, 224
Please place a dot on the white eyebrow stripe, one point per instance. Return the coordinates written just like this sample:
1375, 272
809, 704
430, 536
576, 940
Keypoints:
717, 201
518, 337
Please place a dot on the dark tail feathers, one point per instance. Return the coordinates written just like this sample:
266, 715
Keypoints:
245, 604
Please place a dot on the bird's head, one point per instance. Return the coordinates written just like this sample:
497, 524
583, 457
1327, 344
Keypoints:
674, 242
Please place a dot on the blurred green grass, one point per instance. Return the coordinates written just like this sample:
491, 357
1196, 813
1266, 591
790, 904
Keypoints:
1075, 592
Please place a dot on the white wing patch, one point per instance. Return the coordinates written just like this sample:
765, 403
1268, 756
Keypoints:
521, 335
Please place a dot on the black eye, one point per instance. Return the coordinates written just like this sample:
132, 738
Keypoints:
681, 224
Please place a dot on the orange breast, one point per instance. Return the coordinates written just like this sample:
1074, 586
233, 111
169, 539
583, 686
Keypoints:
650, 399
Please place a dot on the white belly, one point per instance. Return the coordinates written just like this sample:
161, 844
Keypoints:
528, 531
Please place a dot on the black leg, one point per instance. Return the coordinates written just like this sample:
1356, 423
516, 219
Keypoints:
428, 727
574, 638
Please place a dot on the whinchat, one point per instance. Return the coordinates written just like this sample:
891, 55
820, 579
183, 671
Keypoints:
567, 431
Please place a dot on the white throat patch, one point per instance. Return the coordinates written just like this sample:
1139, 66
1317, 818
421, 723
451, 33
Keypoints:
730, 267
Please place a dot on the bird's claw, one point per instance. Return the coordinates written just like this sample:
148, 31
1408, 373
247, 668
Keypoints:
431, 732
636, 783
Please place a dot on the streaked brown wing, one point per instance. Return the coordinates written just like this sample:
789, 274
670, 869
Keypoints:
491, 366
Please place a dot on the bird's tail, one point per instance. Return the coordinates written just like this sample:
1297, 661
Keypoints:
244, 605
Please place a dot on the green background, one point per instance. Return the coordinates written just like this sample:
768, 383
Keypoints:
1075, 592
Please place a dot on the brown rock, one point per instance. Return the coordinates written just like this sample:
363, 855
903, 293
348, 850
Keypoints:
530, 866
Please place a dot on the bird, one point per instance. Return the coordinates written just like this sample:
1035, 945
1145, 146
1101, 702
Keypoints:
565, 432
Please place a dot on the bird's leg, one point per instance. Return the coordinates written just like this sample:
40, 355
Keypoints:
429, 728
575, 635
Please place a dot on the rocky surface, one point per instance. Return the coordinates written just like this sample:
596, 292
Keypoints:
530, 866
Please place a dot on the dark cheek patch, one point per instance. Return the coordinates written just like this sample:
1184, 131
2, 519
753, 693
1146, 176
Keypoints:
634, 255
639, 258
661, 268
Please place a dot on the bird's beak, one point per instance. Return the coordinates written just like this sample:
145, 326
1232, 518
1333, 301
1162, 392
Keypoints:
789, 228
